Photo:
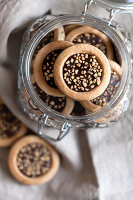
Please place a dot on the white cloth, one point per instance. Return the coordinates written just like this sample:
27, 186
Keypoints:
100, 160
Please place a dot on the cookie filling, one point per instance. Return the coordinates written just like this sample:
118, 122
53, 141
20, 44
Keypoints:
34, 160
56, 103
47, 39
110, 92
89, 38
9, 124
82, 72
47, 67
78, 110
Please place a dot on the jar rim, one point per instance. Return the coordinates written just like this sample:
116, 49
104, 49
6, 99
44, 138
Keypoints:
89, 20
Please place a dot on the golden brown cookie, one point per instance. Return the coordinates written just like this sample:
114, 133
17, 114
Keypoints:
35, 110
10, 127
32, 160
71, 27
28, 99
89, 35
47, 39
63, 105
97, 103
82, 72
43, 67
59, 33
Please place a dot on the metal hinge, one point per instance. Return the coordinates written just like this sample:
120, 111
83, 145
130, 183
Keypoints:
43, 122
112, 11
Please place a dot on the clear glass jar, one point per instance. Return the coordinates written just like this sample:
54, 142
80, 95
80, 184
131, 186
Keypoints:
46, 116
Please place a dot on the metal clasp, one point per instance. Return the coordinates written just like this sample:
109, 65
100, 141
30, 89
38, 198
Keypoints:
112, 11
112, 15
43, 122
86, 6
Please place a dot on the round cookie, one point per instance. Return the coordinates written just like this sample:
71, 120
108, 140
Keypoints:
43, 67
10, 127
32, 160
71, 27
91, 36
31, 104
47, 39
82, 72
59, 33
97, 103
63, 105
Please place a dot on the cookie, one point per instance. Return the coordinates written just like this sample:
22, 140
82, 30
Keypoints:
43, 67
59, 33
82, 72
47, 39
32, 160
63, 105
97, 103
89, 35
35, 110
71, 27
10, 127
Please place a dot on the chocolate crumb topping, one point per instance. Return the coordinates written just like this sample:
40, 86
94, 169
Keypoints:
47, 67
89, 38
82, 72
47, 39
78, 110
110, 91
9, 124
34, 160
56, 103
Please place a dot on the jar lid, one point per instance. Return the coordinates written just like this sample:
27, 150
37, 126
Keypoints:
123, 5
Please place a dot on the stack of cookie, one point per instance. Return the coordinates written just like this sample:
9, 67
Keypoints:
31, 159
75, 70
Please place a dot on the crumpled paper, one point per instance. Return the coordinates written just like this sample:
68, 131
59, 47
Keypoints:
96, 163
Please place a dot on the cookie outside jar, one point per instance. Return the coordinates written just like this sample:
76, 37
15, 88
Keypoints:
49, 117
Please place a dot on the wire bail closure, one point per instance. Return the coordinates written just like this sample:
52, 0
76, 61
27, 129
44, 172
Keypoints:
111, 11
43, 122
86, 6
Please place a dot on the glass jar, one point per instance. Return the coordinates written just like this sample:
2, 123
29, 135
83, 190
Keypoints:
37, 110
